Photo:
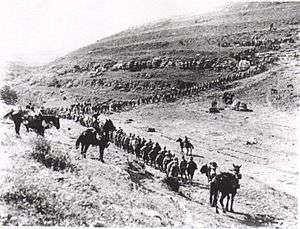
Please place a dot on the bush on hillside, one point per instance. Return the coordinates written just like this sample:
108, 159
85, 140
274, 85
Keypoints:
172, 183
8, 95
55, 159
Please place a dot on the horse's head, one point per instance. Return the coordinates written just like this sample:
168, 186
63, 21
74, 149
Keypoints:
108, 126
179, 140
236, 170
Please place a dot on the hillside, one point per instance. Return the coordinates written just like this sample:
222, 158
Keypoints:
154, 58
164, 75
121, 192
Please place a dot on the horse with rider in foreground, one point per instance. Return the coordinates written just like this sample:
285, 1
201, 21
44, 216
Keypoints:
96, 136
226, 184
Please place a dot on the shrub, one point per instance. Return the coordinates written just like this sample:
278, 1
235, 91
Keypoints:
36, 201
51, 158
172, 183
8, 95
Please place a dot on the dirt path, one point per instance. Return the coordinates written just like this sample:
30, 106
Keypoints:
268, 187
269, 167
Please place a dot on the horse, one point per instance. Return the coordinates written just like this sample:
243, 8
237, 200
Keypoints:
98, 136
227, 184
41, 122
183, 144
17, 117
36, 122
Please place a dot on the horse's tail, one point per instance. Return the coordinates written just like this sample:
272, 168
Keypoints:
78, 141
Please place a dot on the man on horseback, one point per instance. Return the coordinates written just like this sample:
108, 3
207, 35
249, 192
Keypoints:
188, 145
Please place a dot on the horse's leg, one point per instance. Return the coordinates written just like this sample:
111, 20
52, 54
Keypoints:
42, 130
211, 197
227, 203
231, 206
101, 152
82, 148
221, 201
85, 150
216, 201
17, 127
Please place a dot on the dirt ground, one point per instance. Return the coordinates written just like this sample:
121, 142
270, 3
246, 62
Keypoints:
107, 194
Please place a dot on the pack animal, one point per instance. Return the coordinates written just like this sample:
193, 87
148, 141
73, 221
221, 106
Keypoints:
227, 185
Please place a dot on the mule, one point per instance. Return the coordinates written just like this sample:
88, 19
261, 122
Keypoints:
189, 147
226, 184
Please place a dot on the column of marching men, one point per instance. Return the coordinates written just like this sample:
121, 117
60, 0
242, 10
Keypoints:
84, 113
154, 155
151, 153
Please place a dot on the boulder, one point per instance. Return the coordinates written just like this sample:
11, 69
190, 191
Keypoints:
244, 65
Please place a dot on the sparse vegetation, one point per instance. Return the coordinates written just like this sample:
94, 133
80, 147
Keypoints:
8, 95
51, 158
42, 201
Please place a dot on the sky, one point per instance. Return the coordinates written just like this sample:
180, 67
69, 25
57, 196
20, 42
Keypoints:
39, 31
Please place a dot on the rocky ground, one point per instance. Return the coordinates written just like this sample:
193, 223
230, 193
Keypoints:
120, 192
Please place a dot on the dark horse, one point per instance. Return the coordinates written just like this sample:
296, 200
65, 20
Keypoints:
41, 122
96, 136
36, 122
226, 184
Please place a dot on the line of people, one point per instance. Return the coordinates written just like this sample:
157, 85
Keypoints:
154, 155
85, 112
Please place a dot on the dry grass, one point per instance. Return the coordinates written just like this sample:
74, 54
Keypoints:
51, 158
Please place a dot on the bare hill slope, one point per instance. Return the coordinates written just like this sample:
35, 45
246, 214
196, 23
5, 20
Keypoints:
155, 58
